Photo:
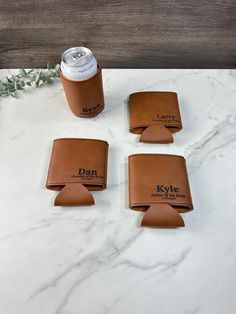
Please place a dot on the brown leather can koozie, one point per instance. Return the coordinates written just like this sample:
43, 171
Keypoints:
86, 98
77, 166
154, 115
158, 185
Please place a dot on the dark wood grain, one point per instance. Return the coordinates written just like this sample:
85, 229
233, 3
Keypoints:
129, 34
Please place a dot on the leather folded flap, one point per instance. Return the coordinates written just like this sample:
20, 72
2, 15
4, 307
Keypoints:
77, 167
158, 185
154, 115
74, 194
156, 134
162, 215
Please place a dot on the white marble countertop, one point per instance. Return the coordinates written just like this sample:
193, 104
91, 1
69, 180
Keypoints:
97, 260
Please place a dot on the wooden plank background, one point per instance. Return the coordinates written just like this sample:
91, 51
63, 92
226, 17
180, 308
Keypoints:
126, 34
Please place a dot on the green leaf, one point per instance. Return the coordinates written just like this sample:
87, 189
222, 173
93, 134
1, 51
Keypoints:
57, 67
4, 80
11, 87
18, 85
37, 79
23, 72
3, 87
49, 66
48, 79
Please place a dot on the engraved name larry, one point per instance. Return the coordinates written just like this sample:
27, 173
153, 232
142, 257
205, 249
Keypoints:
165, 117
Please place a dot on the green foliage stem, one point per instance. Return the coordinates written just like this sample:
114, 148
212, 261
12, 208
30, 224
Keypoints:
9, 85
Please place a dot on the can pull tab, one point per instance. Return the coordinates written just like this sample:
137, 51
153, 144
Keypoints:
162, 215
156, 134
73, 194
78, 54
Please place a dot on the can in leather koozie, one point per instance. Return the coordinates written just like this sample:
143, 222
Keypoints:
82, 82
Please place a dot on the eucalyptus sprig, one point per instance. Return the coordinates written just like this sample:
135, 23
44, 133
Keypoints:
9, 85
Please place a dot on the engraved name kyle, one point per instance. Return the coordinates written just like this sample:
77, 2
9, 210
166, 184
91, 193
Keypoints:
167, 189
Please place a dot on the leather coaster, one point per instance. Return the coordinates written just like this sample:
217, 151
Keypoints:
158, 186
77, 167
154, 115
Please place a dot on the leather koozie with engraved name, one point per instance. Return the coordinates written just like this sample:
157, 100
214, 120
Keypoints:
158, 185
154, 115
77, 166
86, 98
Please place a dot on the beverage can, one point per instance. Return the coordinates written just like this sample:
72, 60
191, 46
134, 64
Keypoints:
78, 64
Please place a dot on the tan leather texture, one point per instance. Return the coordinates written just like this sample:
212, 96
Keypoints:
77, 166
154, 115
86, 98
158, 185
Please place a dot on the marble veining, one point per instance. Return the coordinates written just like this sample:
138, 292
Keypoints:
97, 260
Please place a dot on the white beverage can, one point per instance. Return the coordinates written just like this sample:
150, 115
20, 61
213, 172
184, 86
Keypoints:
78, 64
